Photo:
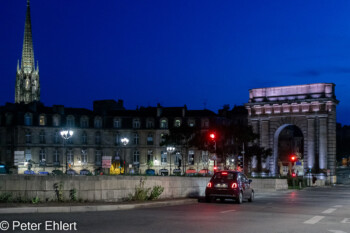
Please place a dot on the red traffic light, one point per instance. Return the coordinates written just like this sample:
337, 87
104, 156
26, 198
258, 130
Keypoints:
215, 168
293, 158
212, 135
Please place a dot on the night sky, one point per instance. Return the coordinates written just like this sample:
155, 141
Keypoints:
201, 53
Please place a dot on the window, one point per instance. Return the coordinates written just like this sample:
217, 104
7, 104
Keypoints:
136, 139
84, 122
70, 156
205, 123
28, 119
56, 137
150, 139
42, 120
28, 155
205, 157
42, 157
163, 124
84, 138
70, 121
42, 137
117, 123
98, 122
149, 156
178, 159
163, 156
162, 138
136, 157
98, 157
177, 123
98, 138
56, 157
56, 120
191, 157
136, 123
150, 124
83, 156
191, 123
117, 138
28, 136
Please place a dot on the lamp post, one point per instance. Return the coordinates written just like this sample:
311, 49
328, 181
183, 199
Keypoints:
170, 149
125, 142
66, 135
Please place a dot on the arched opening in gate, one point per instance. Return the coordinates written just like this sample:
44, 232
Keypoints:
289, 150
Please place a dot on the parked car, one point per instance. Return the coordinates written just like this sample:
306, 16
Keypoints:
229, 185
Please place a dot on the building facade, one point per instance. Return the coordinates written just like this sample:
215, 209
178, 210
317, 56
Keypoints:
33, 130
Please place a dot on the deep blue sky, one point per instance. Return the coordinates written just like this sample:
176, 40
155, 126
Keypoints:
177, 52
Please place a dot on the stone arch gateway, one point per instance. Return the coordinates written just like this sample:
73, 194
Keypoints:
311, 108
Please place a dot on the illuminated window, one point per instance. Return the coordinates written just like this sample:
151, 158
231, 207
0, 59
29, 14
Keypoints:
42, 120
163, 124
83, 156
177, 123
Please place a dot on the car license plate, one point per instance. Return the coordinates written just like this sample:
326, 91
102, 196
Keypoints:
221, 186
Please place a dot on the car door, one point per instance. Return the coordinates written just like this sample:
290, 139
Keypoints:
247, 189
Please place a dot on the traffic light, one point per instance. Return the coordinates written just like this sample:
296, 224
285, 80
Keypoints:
212, 136
215, 168
293, 158
240, 161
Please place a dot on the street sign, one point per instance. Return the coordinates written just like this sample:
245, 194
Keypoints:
106, 161
214, 157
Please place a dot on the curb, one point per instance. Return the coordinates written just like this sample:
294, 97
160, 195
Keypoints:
73, 209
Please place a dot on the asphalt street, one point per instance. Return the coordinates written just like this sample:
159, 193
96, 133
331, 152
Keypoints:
310, 210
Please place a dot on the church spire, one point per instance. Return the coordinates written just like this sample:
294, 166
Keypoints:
27, 63
27, 77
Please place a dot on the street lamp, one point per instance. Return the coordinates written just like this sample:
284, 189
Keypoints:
125, 142
170, 149
66, 135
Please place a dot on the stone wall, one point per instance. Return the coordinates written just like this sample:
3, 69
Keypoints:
115, 188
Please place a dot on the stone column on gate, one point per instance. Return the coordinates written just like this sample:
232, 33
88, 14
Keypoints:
310, 143
264, 142
255, 128
322, 145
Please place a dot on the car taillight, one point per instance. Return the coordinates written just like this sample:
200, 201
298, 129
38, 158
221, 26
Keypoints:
209, 185
234, 185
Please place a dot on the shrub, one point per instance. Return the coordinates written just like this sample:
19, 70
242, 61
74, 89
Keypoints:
58, 190
156, 192
35, 200
5, 197
73, 195
141, 193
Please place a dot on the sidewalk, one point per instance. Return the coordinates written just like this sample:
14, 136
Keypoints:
94, 207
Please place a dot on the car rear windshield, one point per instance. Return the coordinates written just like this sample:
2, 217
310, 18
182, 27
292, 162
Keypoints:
225, 176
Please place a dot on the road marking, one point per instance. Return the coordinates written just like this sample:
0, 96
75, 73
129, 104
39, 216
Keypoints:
337, 206
336, 231
226, 211
346, 220
314, 220
331, 210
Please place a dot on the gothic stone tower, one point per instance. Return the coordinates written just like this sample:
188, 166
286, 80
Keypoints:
27, 77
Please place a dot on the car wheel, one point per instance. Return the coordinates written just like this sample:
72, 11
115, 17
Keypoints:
207, 199
239, 199
251, 199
